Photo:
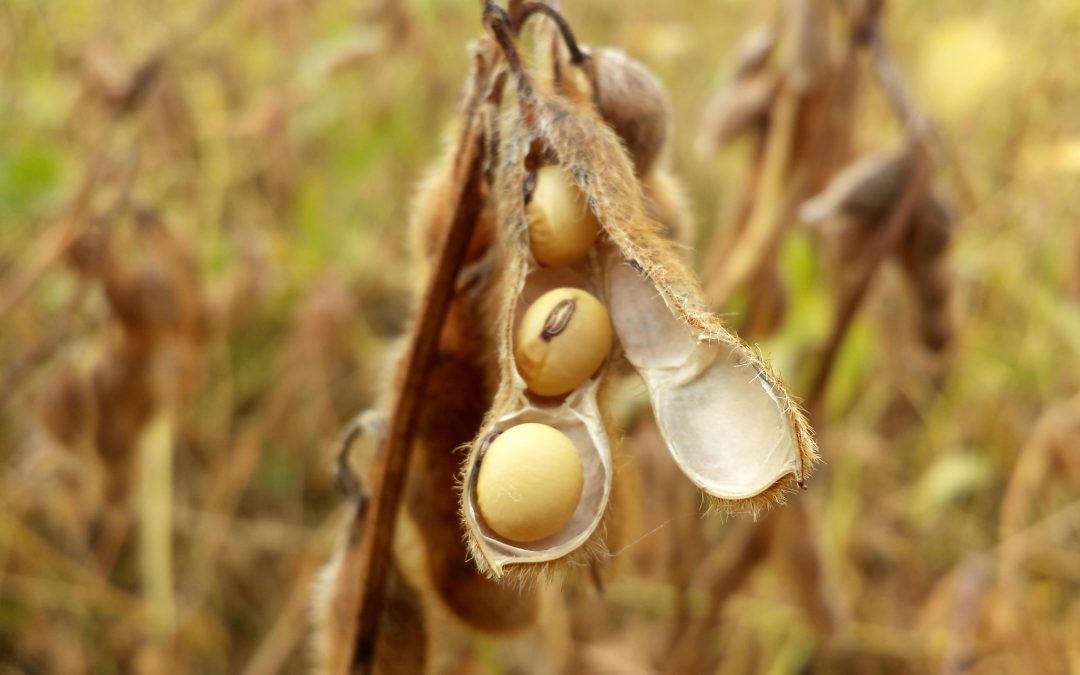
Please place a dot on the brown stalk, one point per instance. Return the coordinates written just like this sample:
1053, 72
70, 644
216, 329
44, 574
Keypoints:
717, 256
577, 56
894, 226
773, 201
392, 460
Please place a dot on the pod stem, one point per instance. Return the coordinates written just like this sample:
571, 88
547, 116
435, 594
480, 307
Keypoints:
502, 29
577, 56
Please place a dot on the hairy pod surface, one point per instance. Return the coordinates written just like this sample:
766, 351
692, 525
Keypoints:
403, 635
724, 416
459, 392
576, 416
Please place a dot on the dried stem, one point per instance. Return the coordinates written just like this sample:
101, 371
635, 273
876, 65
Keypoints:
577, 56
772, 203
723, 244
498, 22
392, 461
916, 126
854, 293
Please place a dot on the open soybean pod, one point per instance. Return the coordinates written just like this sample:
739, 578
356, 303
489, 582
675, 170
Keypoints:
728, 422
725, 416
576, 415
459, 387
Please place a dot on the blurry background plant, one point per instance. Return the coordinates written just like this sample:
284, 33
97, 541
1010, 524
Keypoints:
202, 264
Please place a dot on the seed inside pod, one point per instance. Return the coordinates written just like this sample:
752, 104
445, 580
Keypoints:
562, 339
561, 226
530, 482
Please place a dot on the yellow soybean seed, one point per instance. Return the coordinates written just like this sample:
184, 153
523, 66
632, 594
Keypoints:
530, 482
561, 341
561, 226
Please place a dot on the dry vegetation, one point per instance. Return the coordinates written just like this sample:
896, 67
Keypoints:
204, 275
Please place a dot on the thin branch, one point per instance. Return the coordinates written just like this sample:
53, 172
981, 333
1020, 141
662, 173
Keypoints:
751, 544
498, 22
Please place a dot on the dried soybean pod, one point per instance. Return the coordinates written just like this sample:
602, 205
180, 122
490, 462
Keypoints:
736, 108
577, 415
863, 191
641, 123
626, 94
445, 420
631, 100
402, 639
457, 399
727, 420
863, 195
578, 540
923, 254
459, 393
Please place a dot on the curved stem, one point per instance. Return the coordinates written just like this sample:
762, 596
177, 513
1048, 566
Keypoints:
577, 56
892, 229
498, 22
348, 481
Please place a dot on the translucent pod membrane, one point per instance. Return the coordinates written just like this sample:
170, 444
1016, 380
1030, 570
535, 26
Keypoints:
725, 422
578, 418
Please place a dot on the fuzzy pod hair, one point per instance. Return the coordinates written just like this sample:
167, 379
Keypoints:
727, 420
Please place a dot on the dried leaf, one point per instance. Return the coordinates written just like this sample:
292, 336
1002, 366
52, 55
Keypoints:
742, 106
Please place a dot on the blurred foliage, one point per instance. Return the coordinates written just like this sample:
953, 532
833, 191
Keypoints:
248, 166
